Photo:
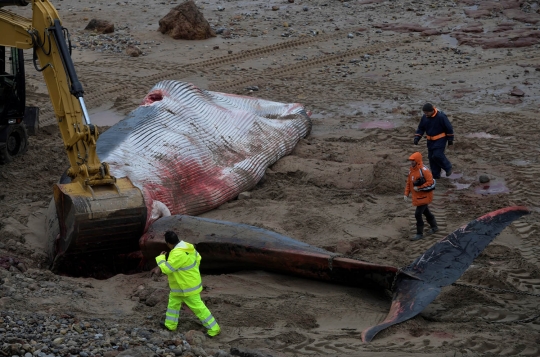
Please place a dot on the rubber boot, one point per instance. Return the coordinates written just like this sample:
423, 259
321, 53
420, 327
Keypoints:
419, 233
433, 225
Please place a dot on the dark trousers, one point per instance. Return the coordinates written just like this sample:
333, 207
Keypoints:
423, 210
437, 161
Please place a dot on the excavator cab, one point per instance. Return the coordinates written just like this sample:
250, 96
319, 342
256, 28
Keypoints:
12, 91
16, 120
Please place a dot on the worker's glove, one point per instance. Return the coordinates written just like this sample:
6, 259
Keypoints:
416, 188
405, 198
416, 140
450, 142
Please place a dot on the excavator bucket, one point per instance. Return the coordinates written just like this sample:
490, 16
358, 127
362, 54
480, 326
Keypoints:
97, 219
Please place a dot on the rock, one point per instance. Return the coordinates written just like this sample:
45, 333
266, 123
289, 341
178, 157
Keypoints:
516, 92
194, 337
133, 51
100, 26
510, 100
136, 352
10, 232
483, 179
21, 267
198, 351
5, 301
519, 15
186, 22
343, 247
244, 196
221, 353
157, 296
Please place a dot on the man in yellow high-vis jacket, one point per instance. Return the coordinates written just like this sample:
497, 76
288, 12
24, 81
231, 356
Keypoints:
182, 270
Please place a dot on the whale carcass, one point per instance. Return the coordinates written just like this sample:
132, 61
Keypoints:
188, 150
226, 245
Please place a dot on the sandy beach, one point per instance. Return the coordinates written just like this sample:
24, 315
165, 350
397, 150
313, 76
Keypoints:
363, 68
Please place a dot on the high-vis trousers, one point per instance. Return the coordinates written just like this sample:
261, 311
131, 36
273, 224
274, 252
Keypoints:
196, 305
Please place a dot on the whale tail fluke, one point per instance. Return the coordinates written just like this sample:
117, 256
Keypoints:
441, 265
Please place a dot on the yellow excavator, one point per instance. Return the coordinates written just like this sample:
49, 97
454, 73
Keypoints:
97, 212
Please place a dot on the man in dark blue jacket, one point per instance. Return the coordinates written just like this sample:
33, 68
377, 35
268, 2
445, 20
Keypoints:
439, 131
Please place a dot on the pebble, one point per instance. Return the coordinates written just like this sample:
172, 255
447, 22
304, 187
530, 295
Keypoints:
116, 42
29, 334
38, 337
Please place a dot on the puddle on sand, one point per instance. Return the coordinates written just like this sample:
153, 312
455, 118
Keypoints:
461, 186
457, 185
492, 188
482, 135
450, 40
382, 124
520, 162
455, 175
105, 117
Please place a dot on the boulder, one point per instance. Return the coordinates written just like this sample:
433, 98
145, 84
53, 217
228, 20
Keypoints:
133, 51
100, 26
516, 92
186, 22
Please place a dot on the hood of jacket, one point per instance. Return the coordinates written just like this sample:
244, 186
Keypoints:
185, 246
417, 157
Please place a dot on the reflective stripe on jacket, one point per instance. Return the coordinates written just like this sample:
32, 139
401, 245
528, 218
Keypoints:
436, 137
182, 269
420, 197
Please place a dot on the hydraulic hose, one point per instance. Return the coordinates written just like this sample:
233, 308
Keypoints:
76, 86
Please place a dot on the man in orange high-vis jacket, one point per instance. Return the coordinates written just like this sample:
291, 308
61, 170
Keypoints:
182, 270
439, 131
421, 184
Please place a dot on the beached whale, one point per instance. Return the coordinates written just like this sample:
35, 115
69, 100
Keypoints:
232, 246
187, 150
190, 150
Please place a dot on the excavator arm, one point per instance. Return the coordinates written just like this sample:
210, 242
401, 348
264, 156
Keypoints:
44, 33
96, 211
